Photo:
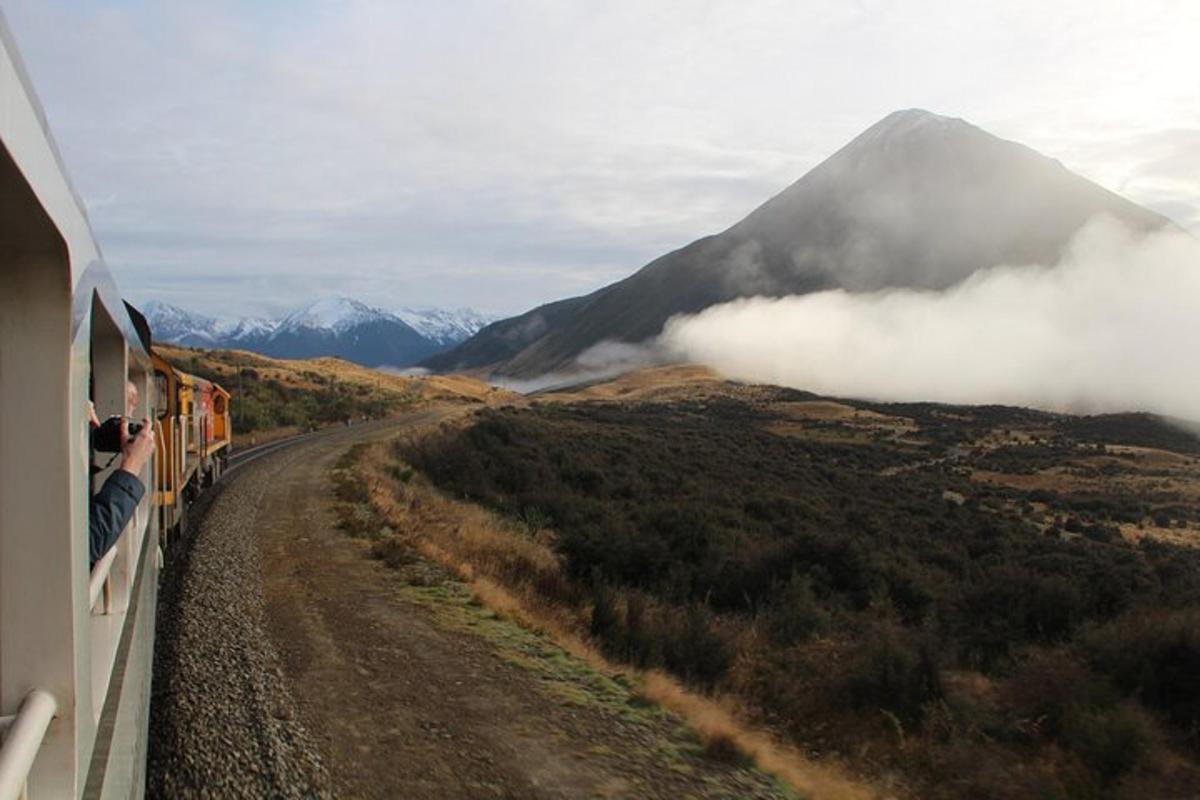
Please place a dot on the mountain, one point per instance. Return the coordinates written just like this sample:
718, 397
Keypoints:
172, 324
917, 200
347, 329
503, 340
335, 326
446, 327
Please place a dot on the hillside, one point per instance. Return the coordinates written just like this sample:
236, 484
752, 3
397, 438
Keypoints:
275, 393
959, 601
917, 200
503, 340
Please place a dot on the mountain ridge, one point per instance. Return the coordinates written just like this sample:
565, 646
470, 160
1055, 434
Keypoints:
330, 326
916, 200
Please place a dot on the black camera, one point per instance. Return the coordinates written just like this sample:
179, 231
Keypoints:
107, 437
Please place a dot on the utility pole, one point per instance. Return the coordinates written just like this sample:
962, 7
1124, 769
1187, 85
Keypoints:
241, 397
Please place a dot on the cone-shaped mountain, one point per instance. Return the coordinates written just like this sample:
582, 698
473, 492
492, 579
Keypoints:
917, 200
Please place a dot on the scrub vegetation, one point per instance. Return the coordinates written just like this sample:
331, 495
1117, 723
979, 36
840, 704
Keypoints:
281, 396
962, 602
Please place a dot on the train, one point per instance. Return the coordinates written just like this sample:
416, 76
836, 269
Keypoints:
194, 437
76, 638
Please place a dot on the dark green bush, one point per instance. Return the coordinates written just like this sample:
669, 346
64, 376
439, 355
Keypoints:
1112, 741
796, 615
693, 648
894, 671
1154, 655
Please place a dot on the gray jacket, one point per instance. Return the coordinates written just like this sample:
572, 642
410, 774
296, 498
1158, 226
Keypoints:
112, 508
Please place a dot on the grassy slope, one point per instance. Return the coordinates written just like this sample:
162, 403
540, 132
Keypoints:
988, 601
272, 395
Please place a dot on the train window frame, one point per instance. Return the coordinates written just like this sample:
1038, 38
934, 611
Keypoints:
162, 388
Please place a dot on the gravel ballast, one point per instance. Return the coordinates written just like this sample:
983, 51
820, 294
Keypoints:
222, 721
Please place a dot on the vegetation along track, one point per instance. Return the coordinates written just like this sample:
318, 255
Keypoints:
290, 664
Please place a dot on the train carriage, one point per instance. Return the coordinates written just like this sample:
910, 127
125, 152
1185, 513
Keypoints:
76, 639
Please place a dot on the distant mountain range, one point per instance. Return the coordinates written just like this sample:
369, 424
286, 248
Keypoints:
335, 326
917, 200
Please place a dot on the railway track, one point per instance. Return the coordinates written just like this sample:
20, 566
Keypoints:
241, 458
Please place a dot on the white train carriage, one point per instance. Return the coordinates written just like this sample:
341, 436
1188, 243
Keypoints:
76, 644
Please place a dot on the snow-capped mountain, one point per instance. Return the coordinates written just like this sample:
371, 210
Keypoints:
333, 326
444, 326
250, 329
336, 314
172, 324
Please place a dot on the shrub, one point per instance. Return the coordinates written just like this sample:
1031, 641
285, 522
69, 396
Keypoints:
604, 625
394, 551
1046, 688
693, 647
1155, 655
894, 673
797, 615
1112, 741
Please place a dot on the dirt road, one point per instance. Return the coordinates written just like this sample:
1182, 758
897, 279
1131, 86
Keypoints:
417, 692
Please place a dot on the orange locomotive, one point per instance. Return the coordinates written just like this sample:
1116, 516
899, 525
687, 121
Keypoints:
195, 435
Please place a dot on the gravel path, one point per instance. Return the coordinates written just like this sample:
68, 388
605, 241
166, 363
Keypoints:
222, 721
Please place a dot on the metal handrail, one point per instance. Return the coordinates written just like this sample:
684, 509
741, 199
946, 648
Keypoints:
100, 573
22, 740
99, 584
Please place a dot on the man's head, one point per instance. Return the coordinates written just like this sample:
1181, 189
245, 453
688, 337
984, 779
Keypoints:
131, 398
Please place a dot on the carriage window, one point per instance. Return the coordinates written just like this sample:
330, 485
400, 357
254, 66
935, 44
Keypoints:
162, 402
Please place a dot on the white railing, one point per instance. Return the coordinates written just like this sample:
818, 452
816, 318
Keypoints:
100, 584
23, 735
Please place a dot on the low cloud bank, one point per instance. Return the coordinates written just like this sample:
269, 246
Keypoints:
1114, 326
600, 362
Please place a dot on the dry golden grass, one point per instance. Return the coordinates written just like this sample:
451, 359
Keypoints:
517, 574
719, 728
1048, 480
1153, 457
298, 373
832, 410
1182, 537
661, 384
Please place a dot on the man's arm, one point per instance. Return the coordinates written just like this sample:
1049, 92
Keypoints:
113, 506
111, 510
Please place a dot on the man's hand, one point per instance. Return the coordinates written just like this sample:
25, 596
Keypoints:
136, 452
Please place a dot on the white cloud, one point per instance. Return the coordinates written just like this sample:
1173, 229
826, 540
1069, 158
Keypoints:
1114, 326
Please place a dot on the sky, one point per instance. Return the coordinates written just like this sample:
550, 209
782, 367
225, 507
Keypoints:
242, 158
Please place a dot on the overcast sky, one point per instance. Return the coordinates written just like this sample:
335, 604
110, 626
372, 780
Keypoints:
243, 157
